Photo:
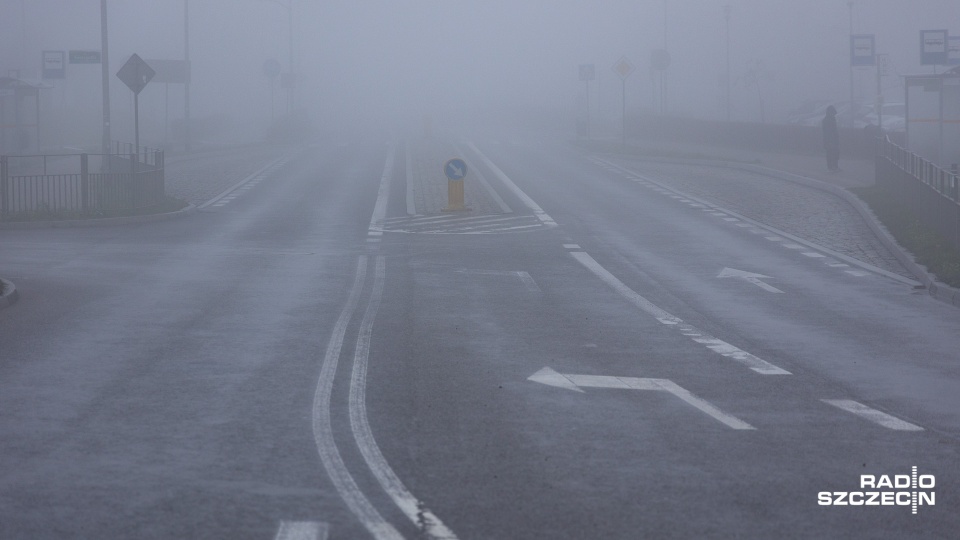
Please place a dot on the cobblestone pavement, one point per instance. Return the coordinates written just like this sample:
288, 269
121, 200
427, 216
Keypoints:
802, 211
429, 184
197, 178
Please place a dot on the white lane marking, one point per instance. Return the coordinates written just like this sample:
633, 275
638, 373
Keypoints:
257, 175
856, 273
571, 246
411, 203
774, 238
302, 530
528, 282
794, 246
486, 185
527, 201
421, 516
550, 377
717, 345
813, 254
731, 219
873, 415
333, 463
380, 207
749, 277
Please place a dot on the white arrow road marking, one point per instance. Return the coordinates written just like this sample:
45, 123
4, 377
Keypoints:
749, 277
873, 415
457, 171
574, 382
717, 345
302, 530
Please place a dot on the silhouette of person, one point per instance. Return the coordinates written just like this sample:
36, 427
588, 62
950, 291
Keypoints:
831, 138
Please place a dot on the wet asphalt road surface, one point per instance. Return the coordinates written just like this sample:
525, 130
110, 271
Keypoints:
609, 359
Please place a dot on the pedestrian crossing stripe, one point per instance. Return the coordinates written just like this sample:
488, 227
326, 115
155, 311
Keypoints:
460, 224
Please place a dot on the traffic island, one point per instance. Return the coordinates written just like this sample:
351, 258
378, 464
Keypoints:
8, 293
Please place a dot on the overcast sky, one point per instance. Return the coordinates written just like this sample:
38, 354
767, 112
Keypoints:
374, 56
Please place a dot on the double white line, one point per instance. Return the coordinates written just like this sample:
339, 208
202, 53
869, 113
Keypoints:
429, 524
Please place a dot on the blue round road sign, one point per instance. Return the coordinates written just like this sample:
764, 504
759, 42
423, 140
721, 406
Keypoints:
455, 169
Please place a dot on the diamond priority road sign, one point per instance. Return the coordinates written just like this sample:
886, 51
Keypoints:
136, 73
623, 67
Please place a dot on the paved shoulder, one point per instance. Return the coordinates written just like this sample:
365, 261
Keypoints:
805, 212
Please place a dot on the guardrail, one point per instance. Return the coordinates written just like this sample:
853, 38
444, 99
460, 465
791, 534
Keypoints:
59, 186
930, 192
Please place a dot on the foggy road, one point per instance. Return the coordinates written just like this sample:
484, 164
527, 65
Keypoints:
590, 352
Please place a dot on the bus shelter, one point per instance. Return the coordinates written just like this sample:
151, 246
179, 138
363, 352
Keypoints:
933, 116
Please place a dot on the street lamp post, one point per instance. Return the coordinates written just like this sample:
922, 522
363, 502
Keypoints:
850, 37
726, 15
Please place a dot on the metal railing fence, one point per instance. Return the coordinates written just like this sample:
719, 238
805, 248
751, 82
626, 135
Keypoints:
78, 185
930, 192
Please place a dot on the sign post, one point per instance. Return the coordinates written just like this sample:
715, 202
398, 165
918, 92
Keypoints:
455, 170
623, 68
136, 73
587, 74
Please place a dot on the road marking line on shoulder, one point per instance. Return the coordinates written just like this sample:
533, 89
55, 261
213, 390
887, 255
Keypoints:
814, 255
255, 177
411, 203
873, 415
421, 516
330, 456
302, 530
717, 345
380, 207
571, 246
527, 201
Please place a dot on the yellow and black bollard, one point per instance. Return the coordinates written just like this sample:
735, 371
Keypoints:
455, 170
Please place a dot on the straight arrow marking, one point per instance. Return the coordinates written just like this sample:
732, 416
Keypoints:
749, 277
550, 377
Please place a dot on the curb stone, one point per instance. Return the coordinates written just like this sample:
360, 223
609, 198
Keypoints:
97, 222
942, 292
8, 293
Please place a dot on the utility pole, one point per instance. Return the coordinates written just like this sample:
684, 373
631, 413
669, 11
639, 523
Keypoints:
186, 84
105, 72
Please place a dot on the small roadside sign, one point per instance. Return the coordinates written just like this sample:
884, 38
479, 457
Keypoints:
170, 71
587, 72
455, 169
54, 65
84, 57
136, 73
862, 50
933, 47
623, 68
953, 50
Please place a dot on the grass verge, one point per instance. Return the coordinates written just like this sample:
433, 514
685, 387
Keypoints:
169, 204
940, 257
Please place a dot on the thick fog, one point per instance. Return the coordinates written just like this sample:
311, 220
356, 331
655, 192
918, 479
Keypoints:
362, 61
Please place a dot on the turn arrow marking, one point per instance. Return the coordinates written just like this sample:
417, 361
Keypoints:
550, 377
749, 277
